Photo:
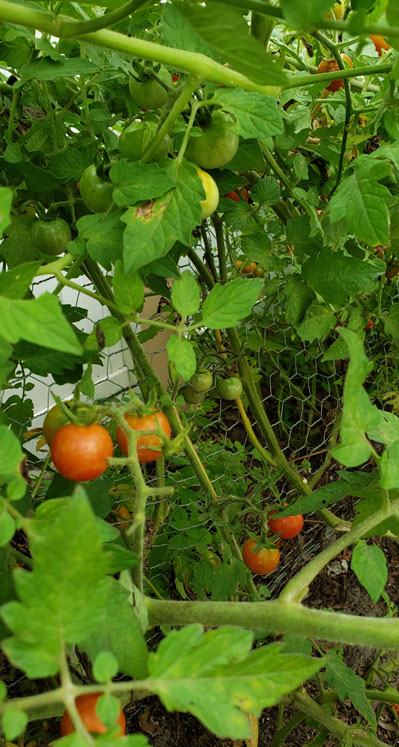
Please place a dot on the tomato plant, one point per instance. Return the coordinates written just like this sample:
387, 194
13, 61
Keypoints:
51, 236
261, 561
79, 452
211, 201
95, 191
135, 138
229, 388
149, 422
216, 146
86, 706
287, 526
147, 92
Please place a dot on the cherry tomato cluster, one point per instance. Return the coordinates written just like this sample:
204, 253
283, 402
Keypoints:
251, 268
80, 452
266, 559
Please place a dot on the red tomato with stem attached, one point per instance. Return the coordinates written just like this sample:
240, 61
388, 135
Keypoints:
147, 423
86, 705
287, 526
262, 562
79, 452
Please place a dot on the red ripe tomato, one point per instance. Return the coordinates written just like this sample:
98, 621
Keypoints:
262, 562
236, 197
175, 77
79, 451
288, 526
369, 325
147, 423
86, 705
328, 66
379, 43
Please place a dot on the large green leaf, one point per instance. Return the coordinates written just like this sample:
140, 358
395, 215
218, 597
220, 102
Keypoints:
192, 672
363, 202
39, 321
227, 304
257, 113
224, 29
335, 276
63, 597
359, 415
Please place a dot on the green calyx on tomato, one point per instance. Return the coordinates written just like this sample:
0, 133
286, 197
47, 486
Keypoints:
202, 380
211, 201
51, 236
137, 136
230, 388
216, 146
147, 92
95, 191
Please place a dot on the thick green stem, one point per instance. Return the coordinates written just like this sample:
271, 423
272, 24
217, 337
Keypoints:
76, 28
310, 80
279, 617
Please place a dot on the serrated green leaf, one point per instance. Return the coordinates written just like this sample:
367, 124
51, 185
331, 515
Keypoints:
105, 666
181, 353
14, 722
224, 29
359, 415
370, 566
227, 304
128, 289
118, 631
219, 667
61, 599
186, 294
350, 685
39, 321
318, 321
335, 276
305, 15
256, 113
363, 202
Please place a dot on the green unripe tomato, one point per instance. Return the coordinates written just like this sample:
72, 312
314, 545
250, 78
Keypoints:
230, 388
149, 94
51, 236
95, 192
211, 201
190, 395
216, 146
135, 139
202, 380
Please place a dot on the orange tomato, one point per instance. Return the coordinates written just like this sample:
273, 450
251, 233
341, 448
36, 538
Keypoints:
328, 66
80, 452
86, 705
248, 269
379, 43
144, 443
263, 561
